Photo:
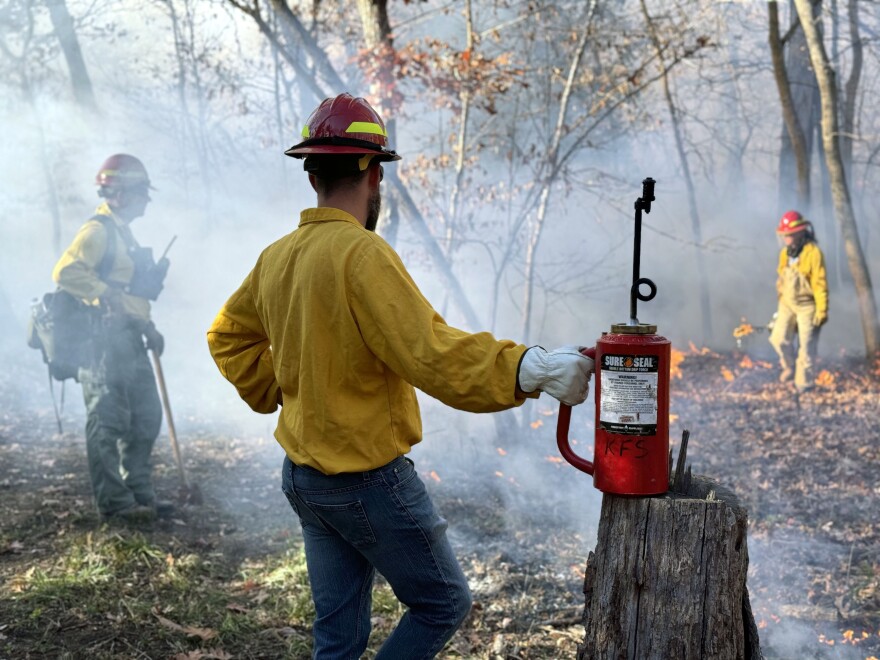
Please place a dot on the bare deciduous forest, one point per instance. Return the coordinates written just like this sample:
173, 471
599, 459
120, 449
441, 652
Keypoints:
526, 129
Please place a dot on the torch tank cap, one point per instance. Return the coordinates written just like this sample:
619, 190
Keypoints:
638, 329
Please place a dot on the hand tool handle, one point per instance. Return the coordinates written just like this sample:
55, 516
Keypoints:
166, 404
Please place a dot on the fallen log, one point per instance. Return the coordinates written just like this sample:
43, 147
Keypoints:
668, 578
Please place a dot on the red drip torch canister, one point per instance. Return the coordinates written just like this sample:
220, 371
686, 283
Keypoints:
631, 454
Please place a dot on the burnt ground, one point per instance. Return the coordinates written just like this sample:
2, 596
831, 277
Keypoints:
226, 579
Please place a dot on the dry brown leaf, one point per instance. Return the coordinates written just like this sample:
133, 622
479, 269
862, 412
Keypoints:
204, 634
204, 654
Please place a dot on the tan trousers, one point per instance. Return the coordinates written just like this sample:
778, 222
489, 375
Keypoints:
791, 320
797, 307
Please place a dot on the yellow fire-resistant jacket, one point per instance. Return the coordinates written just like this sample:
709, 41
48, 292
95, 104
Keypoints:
811, 266
330, 323
77, 270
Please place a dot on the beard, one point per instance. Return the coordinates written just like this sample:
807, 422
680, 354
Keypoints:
374, 206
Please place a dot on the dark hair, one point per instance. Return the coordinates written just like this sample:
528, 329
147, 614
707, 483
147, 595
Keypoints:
333, 173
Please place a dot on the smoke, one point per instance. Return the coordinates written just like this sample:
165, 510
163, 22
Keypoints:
226, 191
789, 626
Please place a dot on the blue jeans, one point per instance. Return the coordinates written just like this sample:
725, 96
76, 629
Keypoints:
383, 520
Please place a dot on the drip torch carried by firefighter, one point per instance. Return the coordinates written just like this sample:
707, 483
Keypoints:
744, 329
631, 455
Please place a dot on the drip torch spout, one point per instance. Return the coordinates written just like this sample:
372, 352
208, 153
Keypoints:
643, 203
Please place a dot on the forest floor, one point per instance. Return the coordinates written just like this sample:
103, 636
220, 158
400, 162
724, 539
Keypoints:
227, 579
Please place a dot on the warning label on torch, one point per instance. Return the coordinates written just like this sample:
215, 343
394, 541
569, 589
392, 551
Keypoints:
628, 405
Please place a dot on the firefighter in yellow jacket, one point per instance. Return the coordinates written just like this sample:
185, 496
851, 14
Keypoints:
105, 267
802, 289
330, 325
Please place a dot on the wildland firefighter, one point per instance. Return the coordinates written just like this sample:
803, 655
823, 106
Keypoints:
106, 268
330, 326
802, 289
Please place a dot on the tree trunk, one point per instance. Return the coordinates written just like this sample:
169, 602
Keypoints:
843, 209
789, 113
696, 230
668, 579
437, 255
383, 90
852, 86
298, 37
804, 96
79, 74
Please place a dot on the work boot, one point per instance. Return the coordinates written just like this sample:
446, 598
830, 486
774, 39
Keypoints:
786, 375
162, 508
135, 514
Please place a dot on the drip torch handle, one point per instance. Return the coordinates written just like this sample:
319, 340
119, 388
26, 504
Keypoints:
562, 441
562, 427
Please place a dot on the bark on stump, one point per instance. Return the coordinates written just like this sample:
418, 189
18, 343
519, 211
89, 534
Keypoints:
668, 578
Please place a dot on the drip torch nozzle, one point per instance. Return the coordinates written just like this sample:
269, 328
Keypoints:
647, 194
643, 203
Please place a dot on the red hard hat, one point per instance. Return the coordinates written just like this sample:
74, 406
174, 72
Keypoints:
122, 171
791, 223
344, 125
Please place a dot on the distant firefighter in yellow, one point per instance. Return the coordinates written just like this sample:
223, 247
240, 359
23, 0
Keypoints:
803, 300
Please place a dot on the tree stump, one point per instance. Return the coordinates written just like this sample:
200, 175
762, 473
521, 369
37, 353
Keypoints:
668, 578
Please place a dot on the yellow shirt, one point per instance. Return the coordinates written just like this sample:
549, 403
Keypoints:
330, 323
77, 270
811, 266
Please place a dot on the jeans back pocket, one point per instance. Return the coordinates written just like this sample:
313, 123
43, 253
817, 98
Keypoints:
349, 519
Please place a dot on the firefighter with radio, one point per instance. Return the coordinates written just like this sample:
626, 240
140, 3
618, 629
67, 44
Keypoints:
106, 268
330, 326
802, 289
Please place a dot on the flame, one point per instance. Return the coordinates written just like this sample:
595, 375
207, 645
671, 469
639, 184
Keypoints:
747, 363
701, 351
675, 359
825, 378
538, 423
433, 474
743, 330
501, 451
672, 418
727, 374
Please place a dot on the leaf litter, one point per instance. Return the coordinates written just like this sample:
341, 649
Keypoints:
227, 579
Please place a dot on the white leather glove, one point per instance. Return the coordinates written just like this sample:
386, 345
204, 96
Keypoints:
564, 373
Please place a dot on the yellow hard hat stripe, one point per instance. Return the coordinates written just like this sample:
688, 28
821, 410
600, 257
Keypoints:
305, 131
366, 127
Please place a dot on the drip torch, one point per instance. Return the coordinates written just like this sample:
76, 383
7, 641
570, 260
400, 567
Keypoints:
631, 451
